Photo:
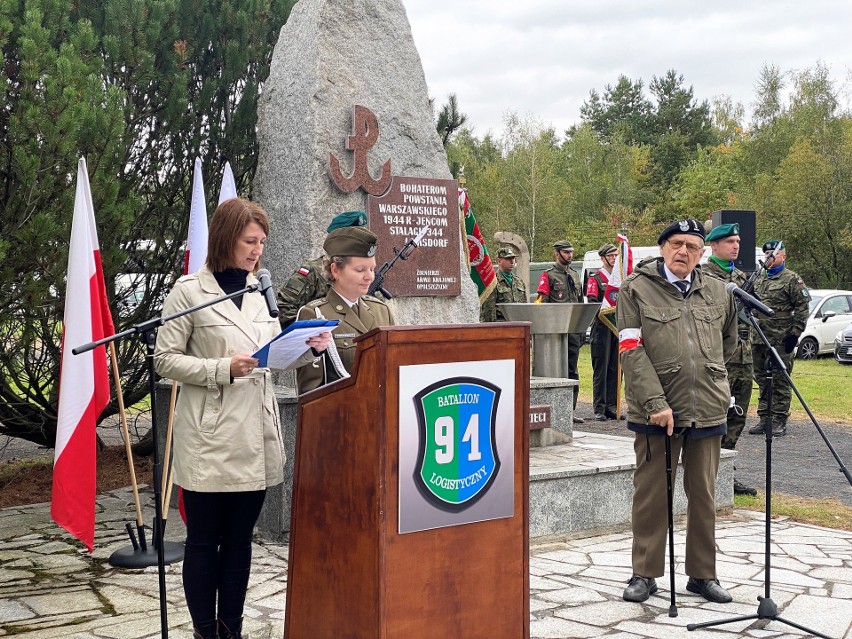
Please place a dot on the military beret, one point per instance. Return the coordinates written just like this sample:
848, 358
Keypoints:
606, 249
772, 244
505, 252
722, 231
349, 218
350, 241
688, 227
563, 245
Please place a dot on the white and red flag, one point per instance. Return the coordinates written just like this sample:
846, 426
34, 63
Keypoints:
621, 269
229, 186
83, 379
196, 241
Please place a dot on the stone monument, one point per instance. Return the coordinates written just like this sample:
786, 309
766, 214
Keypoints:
332, 59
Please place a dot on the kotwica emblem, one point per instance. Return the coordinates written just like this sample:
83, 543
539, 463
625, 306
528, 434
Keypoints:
457, 457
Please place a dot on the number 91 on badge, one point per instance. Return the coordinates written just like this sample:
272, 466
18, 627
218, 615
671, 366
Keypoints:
456, 443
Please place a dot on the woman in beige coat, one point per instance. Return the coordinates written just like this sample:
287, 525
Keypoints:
227, 440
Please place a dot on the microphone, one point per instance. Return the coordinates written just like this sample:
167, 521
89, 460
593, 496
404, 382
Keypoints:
749, 300
265, 288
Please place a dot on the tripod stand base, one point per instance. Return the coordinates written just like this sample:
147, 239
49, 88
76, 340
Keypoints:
765, 610
137, 558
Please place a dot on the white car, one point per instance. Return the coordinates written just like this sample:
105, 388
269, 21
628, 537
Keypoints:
831, 310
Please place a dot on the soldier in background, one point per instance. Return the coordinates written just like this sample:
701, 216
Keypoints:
604, 343
510, 289
308, 283
784, 292
560, 284
724, 241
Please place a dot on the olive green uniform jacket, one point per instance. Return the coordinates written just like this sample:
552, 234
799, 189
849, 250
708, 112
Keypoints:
786, 294
559, 286
227, 435
674, 348
504, 293
306, 284
372, 312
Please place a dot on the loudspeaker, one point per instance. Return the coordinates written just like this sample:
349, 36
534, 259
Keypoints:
748, 235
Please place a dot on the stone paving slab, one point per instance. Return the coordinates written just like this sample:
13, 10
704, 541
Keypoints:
51, 588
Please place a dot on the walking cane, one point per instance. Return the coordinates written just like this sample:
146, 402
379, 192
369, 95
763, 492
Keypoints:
670, 495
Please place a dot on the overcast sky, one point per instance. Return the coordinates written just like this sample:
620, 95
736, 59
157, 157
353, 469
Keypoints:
541, 58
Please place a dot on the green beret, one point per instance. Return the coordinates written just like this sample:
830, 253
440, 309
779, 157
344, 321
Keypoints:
722, 231
771, 244
687, 227
349, 218
563, 245
505, 252
606, 249
350, 241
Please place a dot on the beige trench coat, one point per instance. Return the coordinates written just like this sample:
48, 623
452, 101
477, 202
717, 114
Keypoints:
227, 436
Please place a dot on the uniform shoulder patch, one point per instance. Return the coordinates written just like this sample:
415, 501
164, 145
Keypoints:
371, 298
304, 272
315, 303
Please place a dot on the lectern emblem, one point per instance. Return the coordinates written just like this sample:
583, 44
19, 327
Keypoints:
457, 457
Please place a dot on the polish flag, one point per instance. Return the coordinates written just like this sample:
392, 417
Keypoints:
196, 241
229, 186
83, 379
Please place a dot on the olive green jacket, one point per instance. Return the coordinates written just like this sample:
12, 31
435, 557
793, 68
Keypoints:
742, 355
305, 285
372, 312
559, 286
504, 293
786, 294
674, 349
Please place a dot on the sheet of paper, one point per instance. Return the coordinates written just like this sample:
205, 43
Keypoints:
289, 345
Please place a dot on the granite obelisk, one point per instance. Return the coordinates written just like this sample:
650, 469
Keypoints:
331, 56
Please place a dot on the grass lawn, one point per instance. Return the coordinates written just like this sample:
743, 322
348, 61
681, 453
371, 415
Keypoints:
825, 385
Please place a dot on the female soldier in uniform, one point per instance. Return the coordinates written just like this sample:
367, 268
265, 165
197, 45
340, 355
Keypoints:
350, 266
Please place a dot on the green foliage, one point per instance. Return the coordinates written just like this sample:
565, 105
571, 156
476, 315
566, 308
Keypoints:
138, 87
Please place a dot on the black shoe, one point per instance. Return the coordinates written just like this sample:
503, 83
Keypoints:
742, 489
612, 414
760, 429
709, 589
601, 417
779, 428
640, 588
579, 420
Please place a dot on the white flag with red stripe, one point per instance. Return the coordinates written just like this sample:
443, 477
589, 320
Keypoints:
621, 269
83, 379
196, 241
229, 186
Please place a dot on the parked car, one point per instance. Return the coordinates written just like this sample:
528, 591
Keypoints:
831, 310
843, 345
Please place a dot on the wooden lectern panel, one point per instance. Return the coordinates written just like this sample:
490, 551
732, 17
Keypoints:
351, 573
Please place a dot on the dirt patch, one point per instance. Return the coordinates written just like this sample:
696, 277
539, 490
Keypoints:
29, 481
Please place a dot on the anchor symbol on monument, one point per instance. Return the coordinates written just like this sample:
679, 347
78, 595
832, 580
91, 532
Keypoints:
365, 132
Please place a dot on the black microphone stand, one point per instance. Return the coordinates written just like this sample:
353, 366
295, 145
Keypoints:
767, 609
136, 556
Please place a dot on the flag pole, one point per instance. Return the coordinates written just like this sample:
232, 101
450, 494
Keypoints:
125, 433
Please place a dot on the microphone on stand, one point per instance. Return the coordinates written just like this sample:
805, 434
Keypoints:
749, 300
265, 288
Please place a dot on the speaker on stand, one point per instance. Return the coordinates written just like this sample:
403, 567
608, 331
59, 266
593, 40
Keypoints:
747, 220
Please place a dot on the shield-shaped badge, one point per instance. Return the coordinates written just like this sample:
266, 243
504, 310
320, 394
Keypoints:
457, 457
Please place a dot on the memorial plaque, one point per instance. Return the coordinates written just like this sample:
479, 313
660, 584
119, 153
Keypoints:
433, 269
539, 417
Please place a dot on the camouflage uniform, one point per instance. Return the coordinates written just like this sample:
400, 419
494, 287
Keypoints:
505, 292
562, 286
786, 294
740, 373
306, 284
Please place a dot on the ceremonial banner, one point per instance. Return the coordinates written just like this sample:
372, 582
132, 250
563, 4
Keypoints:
622, 268
481, 268
83, 379
196, 241
229, 186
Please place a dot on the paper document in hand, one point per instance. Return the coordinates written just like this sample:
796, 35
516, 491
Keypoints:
289, 345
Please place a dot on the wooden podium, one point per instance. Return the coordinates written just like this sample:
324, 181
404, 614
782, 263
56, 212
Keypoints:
351, 572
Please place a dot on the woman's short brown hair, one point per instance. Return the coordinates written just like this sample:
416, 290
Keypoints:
228, 222
327, 262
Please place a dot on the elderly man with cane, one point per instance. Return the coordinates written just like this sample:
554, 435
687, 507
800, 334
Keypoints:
677, 328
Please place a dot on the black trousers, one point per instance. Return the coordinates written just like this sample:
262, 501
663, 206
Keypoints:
604, 368
217, 559
575, 341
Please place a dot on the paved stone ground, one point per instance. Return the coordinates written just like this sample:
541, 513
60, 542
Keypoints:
50, 588
802, 463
